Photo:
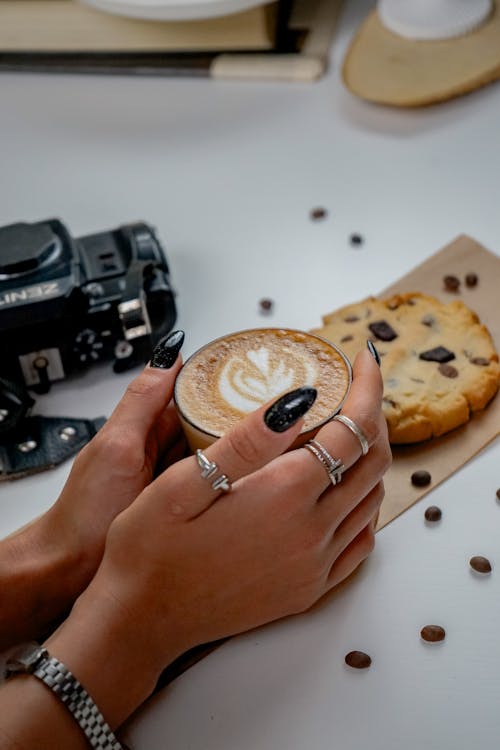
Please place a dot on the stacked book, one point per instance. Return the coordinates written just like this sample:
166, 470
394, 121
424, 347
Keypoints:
287, 40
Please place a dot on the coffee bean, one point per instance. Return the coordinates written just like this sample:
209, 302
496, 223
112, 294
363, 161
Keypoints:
346, 338
356, 239
438, 354
318, 213
448, 371
480, 564
451, 283
382, 330
266, 305
432, 633
421, 478
498, 494
480, 361
471, 279
357, 660
433, 513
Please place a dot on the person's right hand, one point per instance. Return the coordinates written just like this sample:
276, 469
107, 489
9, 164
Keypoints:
185, 564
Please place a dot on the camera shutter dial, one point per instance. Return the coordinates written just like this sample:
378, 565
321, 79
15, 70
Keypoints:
87, 347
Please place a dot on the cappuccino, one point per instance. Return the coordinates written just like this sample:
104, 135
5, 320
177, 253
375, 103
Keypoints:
230, 377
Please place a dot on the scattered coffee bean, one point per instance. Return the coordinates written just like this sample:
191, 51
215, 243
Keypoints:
448, 371
471, 279
357, 660
317, 214
480, 361
480, 564
421, 478
432, 633
498, 494
356, 239
433, 513
346, 338
451, 283
382, 330
351, 319
438, 354
266, 305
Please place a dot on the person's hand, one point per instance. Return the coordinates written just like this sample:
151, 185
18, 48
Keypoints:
185, 564
54, 558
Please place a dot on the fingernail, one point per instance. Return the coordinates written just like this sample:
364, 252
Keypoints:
289, 408
166, 350
373, 351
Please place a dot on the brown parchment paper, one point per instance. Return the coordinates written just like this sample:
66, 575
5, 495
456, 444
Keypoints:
445, 455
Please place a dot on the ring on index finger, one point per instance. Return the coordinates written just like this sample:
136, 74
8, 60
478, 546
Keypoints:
209, 470
334, 466
357, 431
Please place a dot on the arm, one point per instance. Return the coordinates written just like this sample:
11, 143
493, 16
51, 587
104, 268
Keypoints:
185, 565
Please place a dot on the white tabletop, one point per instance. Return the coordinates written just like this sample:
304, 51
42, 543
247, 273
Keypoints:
228, 173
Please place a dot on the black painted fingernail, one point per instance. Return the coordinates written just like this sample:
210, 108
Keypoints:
166, 350
373, 351
289, 408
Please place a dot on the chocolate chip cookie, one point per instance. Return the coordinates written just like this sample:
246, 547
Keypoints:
438, 361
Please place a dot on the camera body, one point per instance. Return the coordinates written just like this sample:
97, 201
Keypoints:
67, 303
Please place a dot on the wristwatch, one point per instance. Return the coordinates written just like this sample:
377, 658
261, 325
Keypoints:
31, 658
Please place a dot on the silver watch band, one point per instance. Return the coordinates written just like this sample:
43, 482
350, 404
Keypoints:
74, 696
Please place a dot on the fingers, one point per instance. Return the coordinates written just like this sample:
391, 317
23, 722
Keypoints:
352, 556
363, 514
148, 394
248, 446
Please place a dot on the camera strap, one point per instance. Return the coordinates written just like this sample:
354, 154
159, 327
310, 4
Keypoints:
39, 443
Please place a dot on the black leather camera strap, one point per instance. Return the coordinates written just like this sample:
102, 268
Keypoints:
39, 443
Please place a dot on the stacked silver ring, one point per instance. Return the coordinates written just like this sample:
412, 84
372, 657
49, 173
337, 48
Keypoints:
334, 466
209, 469
357, 431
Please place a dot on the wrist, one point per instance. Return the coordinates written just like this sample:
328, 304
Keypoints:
40, 576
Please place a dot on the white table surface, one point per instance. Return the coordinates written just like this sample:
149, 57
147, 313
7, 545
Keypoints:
228, 173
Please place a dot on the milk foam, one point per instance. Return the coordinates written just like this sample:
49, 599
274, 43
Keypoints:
246, 382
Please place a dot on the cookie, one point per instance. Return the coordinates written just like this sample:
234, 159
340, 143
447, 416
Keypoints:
438, 361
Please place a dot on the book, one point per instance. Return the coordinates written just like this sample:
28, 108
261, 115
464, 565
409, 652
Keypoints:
287, 39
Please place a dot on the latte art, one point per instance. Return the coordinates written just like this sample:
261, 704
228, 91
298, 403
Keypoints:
234, 375
247, 382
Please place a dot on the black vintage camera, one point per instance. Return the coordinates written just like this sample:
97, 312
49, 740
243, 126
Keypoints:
66, 303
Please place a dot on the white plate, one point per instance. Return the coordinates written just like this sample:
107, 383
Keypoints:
174, 10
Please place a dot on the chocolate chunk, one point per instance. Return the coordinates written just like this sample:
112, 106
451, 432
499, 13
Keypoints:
266, 305
351, 319
391, 402
451, 283
428, 320
382, 330
438, 354
433, 513
318, 213
448, 371
356, 239
471, 279
480, 564
432, 633
421, 478
357, 660
480, 361
346, 338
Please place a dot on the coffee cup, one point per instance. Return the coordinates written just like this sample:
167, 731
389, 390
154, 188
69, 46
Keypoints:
228, 378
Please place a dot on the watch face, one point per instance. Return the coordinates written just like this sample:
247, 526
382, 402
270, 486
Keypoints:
25, 658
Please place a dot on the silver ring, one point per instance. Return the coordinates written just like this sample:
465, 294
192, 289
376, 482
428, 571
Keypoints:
358, 432
209, 469
334, 466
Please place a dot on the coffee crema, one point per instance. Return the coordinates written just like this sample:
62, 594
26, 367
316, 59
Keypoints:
234, 375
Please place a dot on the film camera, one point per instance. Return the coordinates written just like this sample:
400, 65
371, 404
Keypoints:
67, 303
